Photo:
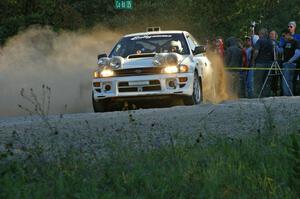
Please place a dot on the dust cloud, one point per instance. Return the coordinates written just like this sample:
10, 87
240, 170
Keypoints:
63, 61
217, 83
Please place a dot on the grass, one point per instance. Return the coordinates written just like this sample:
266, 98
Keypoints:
257, 167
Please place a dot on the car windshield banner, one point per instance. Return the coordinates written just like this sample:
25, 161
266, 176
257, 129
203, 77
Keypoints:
150, 36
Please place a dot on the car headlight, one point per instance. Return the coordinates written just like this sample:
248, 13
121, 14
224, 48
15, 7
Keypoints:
107, 73
104, 61
116, 62
96, 74
104, 73
170, 69
175, 69
183, 68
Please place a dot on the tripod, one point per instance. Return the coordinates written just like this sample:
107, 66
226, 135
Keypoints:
277, 71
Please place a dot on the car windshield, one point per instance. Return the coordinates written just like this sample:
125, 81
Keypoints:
155, 43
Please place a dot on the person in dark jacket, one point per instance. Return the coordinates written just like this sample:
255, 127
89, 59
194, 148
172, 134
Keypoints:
262, 59
233, 53
291, 53
234, 58
276, 50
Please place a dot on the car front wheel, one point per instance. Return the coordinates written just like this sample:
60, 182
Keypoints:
196, 97
98, 106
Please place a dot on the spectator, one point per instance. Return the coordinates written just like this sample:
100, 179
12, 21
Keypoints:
243, 73
220, 47
262, 58
254, 39
273, 36
276, 50
210, 45
291, 52
249, 74
233, 53
234, 58
253, 32
292, 30
213, 45
248, 49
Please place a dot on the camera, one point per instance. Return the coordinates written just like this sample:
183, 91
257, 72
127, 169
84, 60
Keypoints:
252, 24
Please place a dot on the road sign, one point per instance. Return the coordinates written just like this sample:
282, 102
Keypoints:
123, 4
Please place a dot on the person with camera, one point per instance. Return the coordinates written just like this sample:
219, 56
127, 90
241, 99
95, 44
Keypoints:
292, 30
291, 54
262, 59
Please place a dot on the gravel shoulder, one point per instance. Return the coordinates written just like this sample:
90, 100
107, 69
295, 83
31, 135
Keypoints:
93, 132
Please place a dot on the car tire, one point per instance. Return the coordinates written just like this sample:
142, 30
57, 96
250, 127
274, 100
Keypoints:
196, 97
98, 106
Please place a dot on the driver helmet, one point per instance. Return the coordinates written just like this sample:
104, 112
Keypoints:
175, 46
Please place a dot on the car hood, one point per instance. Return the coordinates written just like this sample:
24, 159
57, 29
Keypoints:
138, 63
145, 62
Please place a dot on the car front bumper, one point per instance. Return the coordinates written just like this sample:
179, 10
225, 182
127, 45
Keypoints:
143, 86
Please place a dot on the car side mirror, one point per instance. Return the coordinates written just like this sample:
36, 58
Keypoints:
199, 50
102, 55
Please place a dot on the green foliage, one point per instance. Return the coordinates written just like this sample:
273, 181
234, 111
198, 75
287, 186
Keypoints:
294, 150
226, 168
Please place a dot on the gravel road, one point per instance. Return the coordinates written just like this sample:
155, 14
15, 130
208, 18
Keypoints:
96, 132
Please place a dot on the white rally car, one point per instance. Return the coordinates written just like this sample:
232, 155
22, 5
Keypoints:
152, 65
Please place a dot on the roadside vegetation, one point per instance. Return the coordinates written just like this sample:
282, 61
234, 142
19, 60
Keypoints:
263, 165
259, 167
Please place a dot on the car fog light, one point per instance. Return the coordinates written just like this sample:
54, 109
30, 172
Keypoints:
183, 79
107, 87
172, 84
97, 84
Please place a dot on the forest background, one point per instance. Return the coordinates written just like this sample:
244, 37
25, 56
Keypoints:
204, 19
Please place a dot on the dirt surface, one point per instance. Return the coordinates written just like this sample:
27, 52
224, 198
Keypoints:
151, 127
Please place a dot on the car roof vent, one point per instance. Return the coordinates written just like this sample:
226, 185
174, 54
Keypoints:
151, 29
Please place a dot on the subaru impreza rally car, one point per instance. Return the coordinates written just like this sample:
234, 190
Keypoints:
152, 65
